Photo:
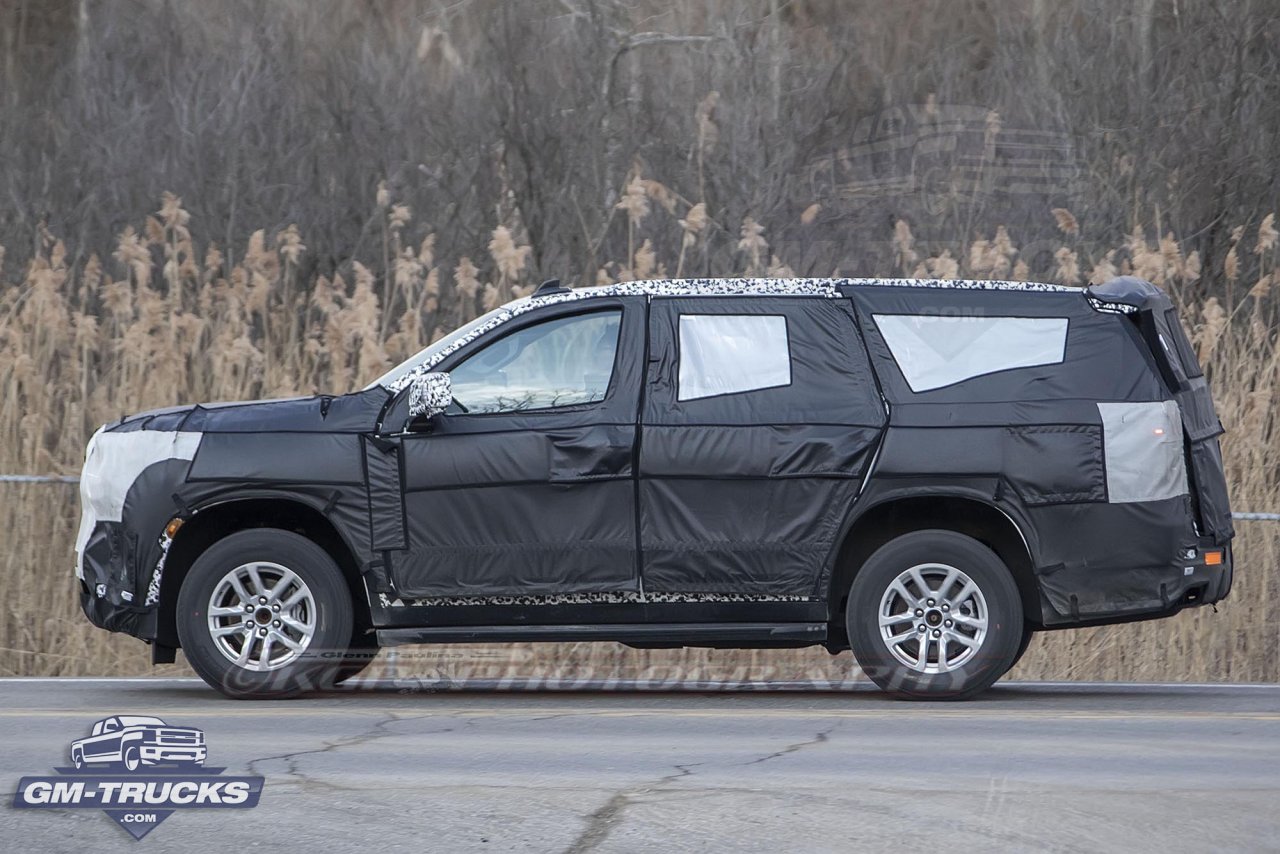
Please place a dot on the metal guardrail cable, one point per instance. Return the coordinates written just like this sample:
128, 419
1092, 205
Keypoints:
70, 478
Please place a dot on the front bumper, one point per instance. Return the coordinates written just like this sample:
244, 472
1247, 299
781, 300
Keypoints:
126, 499
116, 617
114, 581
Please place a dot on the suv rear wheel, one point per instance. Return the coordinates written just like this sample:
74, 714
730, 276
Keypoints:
265, 614
934, 615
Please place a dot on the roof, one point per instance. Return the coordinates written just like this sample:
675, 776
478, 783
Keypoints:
828, 287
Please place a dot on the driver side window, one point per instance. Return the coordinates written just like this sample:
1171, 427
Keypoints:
562, 362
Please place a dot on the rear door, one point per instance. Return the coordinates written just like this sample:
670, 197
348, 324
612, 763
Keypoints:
759, 418
1200, 421
1157, 320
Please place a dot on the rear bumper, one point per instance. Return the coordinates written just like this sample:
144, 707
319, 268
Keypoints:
1087, 596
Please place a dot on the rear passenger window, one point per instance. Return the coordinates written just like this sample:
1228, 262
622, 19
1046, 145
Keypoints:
732, 353
940, 350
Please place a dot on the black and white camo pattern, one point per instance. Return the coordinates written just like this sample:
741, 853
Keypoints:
962, 284
821, 288
432, 395
584, 599
157, 574
1111, 307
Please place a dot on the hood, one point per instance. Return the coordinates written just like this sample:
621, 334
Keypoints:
348, 413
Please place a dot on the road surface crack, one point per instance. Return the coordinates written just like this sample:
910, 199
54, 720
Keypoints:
818, 738
603, 820
293, 758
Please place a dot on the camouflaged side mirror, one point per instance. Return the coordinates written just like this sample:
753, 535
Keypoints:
429, 395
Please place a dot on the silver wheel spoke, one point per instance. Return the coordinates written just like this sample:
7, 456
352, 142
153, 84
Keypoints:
236, 585
898, 640
952, 575
288, 641
942, 653
296, 625
303, 593
969, 622
925, 590
226, 612
888, 619
898, 587
922, 655
281, 586
226, 631
963, 640
965, 592
243, 658
255, 580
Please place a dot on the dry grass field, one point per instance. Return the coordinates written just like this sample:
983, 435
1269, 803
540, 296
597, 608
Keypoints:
170, 317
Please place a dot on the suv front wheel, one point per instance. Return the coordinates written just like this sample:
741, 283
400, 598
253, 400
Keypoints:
265, 614
934, 615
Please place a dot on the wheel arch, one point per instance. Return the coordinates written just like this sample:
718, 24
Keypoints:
212, 523
892, 517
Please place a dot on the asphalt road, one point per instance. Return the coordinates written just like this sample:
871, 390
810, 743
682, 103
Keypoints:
1026, 767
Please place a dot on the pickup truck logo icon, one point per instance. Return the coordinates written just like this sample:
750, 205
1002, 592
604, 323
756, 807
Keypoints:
139, 770
134, 741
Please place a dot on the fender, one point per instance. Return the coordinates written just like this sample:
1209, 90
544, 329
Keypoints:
946, 497
332, 516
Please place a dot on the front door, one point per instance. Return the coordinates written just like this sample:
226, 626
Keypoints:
760, 418
525, 487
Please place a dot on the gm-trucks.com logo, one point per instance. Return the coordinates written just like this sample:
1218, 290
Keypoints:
138, 770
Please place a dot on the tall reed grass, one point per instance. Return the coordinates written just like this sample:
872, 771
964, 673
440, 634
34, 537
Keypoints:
166, 318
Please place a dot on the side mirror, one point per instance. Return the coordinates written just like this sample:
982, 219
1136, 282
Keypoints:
430, 394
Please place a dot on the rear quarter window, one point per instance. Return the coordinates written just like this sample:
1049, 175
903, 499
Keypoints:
938, 350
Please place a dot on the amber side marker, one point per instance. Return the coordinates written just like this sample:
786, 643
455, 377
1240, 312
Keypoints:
172, 527
1213, 558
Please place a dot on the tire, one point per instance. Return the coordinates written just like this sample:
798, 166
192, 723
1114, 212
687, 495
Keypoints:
77, 759
1027, 635
981, 626
363, 648
132, 761
297, 635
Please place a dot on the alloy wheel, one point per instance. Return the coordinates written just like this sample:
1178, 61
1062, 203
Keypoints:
262, 616
933, 618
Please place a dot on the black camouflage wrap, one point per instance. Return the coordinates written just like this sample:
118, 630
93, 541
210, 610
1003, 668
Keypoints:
630, 507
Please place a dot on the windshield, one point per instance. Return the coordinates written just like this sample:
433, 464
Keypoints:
426, 355
139, 720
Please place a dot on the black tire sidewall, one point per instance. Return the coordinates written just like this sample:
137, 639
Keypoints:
363, 649
333, 614
1028, 634
1005, 622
